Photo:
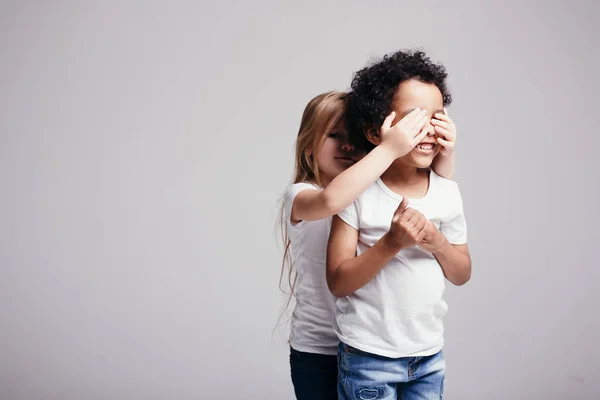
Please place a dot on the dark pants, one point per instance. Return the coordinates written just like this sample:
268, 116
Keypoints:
314, 375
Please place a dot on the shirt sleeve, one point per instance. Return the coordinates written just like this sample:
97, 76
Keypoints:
350, 215
288, 200
455, 227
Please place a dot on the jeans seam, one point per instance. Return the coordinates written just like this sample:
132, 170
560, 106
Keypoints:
345, 360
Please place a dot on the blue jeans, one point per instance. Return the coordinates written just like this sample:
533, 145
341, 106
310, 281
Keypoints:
366, 376
314, 375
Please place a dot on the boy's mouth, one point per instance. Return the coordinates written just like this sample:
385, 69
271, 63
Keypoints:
425, 148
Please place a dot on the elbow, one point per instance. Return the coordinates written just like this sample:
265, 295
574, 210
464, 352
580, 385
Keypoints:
331, 203
464, 277
338, 294
335, 287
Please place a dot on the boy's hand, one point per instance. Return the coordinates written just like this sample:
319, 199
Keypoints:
406, 133
444, 126
407, 228
433, 240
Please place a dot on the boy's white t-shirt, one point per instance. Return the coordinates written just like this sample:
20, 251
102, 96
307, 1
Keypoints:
399, 313
311, 329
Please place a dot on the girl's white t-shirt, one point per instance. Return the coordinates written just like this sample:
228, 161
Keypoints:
311, 329
399, 312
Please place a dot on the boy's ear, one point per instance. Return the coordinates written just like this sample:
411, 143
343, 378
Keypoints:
373, 136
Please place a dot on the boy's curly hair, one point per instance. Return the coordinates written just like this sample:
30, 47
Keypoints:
373, 89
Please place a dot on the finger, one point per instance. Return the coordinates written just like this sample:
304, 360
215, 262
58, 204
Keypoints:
418, 118
420, 226
402, 206
419, 138
443, 117
447, 144
407, 215
415, 219
444, 132
420, 236
420, 124
387, 122
445, 111
419, 230
443, 124
410, 116
422, 230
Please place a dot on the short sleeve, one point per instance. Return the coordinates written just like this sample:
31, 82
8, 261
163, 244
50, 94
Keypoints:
288, 199
350, 215
455, 227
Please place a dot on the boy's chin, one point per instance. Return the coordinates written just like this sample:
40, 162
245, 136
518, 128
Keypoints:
423, 162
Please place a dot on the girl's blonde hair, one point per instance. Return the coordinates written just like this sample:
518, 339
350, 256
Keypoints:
319, 118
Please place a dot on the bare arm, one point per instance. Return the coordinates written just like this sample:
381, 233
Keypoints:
397, 140
312, 205
455, 261
443, 165
346, 272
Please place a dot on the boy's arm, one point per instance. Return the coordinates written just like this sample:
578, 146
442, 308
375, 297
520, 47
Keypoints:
346, 272
455, 261
449, 243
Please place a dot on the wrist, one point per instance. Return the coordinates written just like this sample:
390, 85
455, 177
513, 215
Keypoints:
447, 153
387, 151
442, 246
390, 244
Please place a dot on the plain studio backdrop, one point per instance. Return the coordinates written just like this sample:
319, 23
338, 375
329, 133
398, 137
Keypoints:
144, 147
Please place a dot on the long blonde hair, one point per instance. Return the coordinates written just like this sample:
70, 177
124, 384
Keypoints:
319, 118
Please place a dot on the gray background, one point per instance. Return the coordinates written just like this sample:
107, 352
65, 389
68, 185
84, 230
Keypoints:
143, 148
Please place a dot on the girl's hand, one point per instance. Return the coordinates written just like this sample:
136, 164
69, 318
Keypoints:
445, 127
406, 133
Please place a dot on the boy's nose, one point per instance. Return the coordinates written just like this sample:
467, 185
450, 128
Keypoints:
430, 129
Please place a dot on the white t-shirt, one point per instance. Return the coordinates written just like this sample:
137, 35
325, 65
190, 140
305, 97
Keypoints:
399, 313
311, 329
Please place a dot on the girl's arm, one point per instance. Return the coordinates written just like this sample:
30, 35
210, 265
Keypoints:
443, 165
312, 205
397, 140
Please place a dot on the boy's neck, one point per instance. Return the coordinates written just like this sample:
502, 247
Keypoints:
402, 175
407, 181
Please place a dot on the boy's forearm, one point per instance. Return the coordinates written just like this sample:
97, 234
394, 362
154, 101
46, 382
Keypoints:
455, 264
354, 273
